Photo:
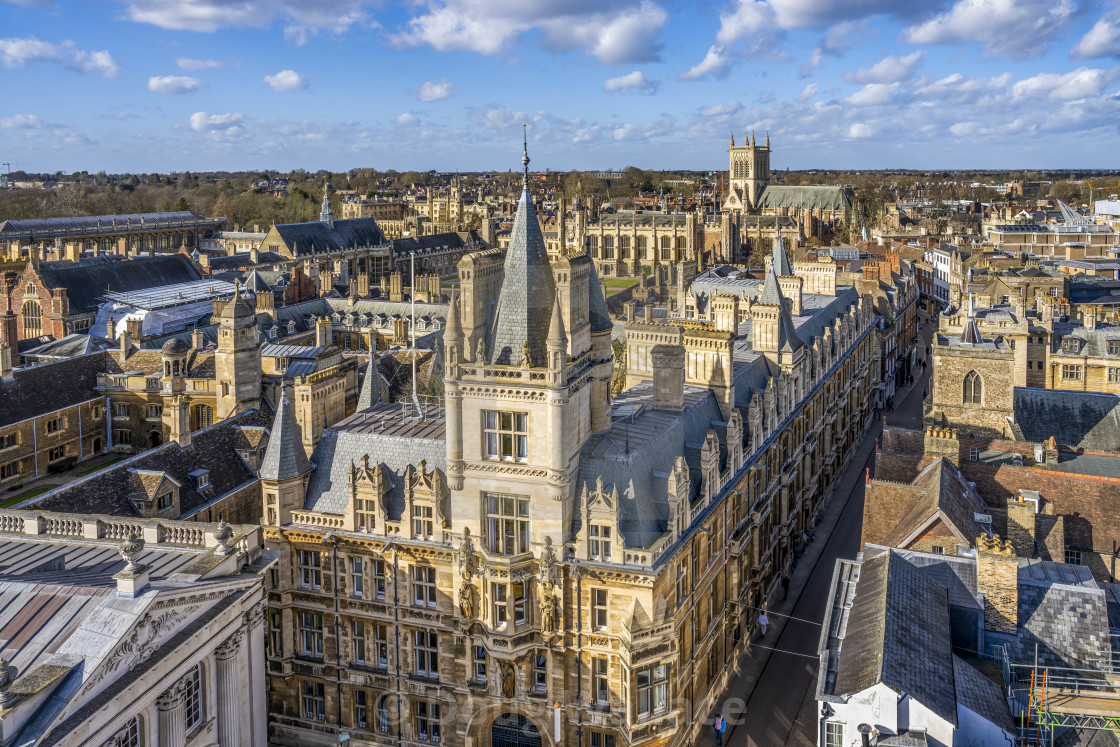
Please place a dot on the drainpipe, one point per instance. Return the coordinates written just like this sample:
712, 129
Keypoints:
864, 734
579, 648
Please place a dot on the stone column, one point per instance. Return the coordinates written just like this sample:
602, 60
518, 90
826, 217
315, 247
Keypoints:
172, 723
258, 686
231, 715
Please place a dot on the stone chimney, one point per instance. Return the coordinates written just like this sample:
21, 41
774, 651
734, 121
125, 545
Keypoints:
943, 442
197, 339
204, 260
997, 578
668, 377
126, 344
1089, 317
5, 361
266, 303
255, 255
1021, 522
135, 328
323, 331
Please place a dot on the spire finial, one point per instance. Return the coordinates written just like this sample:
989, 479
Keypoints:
525, 152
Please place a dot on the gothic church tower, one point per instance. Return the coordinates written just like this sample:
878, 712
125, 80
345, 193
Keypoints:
749, 173
237, 361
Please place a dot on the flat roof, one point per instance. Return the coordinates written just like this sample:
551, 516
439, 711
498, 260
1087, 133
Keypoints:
177, 294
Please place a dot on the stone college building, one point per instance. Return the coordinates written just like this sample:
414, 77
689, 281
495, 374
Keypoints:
535, 562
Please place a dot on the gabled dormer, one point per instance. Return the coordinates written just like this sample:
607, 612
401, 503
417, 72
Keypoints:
160, 493
424, 493
598, 538
368, 486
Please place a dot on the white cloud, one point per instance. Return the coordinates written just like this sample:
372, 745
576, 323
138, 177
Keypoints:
499, 118
890, 69
615, 32
187, 63
22, 122
716, 62
808, 92
964, 129
406, 119
203, 122
722, 109
435, 90
874, 94
285, 80
635, 81
860, 130
1103, 40
1018, 29
18, 52
1080, 84
300, 19
959, 90
173, 84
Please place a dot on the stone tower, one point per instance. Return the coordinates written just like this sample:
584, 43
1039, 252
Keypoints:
749, 173
237, 361
325, 214
284, 468
524, 387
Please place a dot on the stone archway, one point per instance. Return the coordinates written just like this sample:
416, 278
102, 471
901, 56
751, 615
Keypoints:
514, 730
155, 438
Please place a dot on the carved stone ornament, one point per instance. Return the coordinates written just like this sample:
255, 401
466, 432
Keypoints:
548, 608
144, 641
468, 560
548, 564
481, 350
466, 601
222, 536
509, 682
130, 550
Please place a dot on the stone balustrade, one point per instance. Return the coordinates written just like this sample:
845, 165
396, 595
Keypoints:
181, 534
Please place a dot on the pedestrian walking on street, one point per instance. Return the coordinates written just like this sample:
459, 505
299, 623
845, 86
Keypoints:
763, 623
719, 726
785, 587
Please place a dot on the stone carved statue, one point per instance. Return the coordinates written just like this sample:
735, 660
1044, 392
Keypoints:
548, 564
467, 558
466, 601
480, 351
526, 359
509, 683
547, 611
1051, 444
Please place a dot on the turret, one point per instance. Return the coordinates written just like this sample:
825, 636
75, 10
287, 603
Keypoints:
556, 345
284, 467
237, 361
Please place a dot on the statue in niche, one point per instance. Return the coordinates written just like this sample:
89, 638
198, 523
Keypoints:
466, 601
509, 684
547, 611
548, 564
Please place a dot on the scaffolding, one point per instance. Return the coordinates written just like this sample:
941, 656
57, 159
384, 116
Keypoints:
1048, 700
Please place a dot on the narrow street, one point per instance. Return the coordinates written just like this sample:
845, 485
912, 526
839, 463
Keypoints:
781, 699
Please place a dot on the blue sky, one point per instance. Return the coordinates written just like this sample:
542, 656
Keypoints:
172, 85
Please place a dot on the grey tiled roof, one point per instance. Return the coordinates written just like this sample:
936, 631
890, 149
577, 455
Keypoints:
597, 312
1089, 420
824, 197
316, 236
49, 387
284, 458
981, 695
897, 634
85, 284
779, 260
525, 300
391, 442
89, 222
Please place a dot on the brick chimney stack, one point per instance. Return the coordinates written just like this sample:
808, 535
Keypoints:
997, 578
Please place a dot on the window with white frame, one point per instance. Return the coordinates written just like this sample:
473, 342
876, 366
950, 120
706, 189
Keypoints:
599, 608
360, 709
383, 714
427, 721
682, 581
380, 646
601, 685
192, 699
479, 664
128, 736
653, 687
422, 524
833, 734
378, 578
358, 633
310, 569
506, 435
424, 585
426, 646
507, 523
357, 580
520, 607
540, 672
365, 514
311, 634
314, 701
500, 594
599, 542
275, 634
1073, 557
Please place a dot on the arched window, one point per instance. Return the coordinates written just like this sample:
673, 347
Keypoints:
624, 246
642, 247
32, 319
608, 247
973, 388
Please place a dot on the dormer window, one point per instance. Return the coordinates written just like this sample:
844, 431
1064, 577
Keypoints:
291, 327
272, 332
599, 544
1114, 347
164, 501
200, 478
1071, 345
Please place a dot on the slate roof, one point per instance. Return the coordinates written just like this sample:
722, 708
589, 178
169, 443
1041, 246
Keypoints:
1088, 420
896, 633
69, 346
104, 222
1095, 341
779, 260
284, 457
981, 695
86, 284
49, 387
314, 237
393, 442
109, 491
525, 299
836, 199
597, 312
1064, 611
438, 242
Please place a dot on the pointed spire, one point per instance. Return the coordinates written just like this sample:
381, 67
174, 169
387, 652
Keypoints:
779, 259
970, 335
284, 457
556, 336
772, 294
525, 155
454, 328
325, 214
752, 139
370, 394
768, 139
733, 138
